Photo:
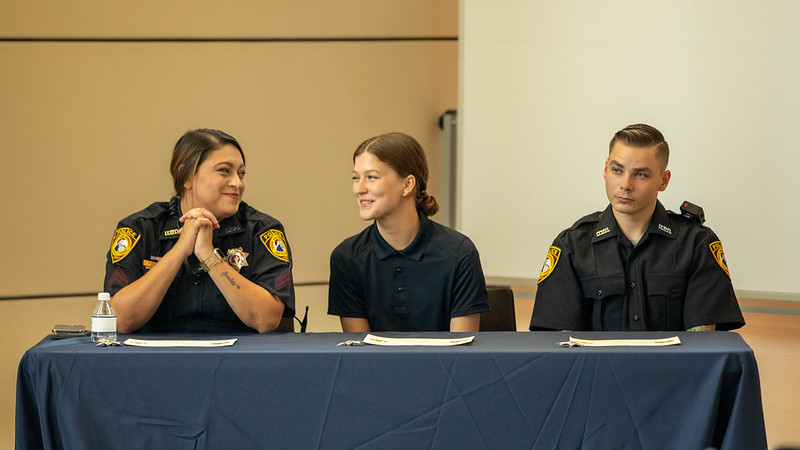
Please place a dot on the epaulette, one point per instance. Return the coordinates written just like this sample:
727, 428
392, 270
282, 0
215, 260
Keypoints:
589, 218
154, 211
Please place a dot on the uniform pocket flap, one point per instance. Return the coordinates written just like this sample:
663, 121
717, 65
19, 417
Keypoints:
601, 287
666, 284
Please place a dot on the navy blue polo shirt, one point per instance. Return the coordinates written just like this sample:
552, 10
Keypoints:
420, 288
674, 279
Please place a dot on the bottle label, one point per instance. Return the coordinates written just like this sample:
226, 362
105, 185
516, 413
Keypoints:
104, 324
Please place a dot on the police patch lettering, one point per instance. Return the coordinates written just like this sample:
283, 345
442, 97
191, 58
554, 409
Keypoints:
122, 243
719, 255
553, 253
276, 244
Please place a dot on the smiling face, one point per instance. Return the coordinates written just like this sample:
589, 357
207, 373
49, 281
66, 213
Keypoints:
380, 191
218, 183
634, 177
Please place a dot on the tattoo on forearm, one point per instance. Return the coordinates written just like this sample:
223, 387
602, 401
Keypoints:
230, 279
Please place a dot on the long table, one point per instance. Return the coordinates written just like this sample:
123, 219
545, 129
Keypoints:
502, 391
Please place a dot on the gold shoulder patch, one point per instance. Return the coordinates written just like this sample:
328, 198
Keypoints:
553, 253
276, 244
122, 243
719, 255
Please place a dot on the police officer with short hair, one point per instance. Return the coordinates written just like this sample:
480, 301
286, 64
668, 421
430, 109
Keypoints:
636, 266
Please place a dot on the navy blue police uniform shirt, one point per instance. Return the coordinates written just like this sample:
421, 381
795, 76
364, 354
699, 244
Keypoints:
674, 279
193, 303
420, 288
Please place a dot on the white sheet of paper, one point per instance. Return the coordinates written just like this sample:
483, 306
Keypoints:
574, 342
179, 343
377, 340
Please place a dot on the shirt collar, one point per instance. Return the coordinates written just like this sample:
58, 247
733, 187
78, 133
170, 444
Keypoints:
171, 225
231, 225
414, 250
607, 227
660, 223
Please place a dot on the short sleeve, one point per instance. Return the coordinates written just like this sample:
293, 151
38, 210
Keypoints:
345, 299
710, 297
272, 264
469, 292
559, 303
125, 257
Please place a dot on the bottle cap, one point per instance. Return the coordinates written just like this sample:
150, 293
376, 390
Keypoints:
104, 296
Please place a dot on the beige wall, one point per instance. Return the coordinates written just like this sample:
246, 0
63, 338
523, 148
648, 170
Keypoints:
89, 126
90, 109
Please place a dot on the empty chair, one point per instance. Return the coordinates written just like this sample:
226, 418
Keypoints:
501, 317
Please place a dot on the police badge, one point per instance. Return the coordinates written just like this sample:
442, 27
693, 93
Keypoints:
237, 258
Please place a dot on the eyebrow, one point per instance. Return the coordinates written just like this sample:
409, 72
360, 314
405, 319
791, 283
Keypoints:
368, 171
227, 163
635, 169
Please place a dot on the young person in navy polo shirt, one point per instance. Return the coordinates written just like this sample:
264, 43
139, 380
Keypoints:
404, 272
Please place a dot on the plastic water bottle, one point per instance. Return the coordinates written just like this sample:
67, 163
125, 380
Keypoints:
104, 320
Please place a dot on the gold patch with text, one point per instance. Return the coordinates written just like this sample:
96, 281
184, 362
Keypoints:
553, 253
275, 243
122, 243
719, 256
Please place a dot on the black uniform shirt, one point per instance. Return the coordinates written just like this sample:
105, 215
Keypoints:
676, 278
420, 288
193, 302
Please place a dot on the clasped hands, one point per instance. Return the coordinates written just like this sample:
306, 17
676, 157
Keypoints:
196, 233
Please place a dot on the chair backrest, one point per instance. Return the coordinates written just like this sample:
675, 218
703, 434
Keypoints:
501, 316
286, 325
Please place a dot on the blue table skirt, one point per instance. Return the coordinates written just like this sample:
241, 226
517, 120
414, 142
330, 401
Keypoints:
503, 391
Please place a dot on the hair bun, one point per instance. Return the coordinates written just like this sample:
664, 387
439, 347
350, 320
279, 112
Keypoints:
428, 205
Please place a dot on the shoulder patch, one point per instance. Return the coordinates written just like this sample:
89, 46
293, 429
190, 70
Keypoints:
122, 243
275, 243
719, 255
553, 253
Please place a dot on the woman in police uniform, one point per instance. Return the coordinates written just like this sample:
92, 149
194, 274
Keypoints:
205, 260
404, 272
